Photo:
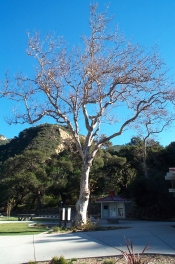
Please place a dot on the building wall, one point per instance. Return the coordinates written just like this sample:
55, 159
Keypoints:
112, 210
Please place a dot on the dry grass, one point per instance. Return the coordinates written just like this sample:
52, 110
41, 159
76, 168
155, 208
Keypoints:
154, 259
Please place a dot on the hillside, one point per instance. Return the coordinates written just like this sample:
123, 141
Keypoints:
117, 148
2, 137
3, 140
46, 138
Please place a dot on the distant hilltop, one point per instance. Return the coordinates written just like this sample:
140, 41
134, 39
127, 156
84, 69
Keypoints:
2, 137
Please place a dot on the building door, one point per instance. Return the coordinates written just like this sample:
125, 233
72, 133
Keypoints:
113, 210
105, 210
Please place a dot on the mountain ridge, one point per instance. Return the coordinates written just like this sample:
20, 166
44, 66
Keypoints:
47, 138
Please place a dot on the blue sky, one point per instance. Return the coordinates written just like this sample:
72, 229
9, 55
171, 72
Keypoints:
146, 22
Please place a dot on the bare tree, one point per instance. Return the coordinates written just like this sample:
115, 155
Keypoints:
87, 86
150, 125
5, 85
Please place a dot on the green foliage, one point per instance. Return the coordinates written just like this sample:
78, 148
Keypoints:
116, 148
25, 171
3, 142
109, 261
33, 138
64, 171
34, 176
133, 152
89, 226
60, 260
60, 229
152, 198
24, 175
54, 260
105, 173
167, 157
72, 260
56, 229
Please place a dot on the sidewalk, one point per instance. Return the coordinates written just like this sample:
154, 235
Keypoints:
21, 249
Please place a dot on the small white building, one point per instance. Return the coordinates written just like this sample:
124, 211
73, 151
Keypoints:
112, 206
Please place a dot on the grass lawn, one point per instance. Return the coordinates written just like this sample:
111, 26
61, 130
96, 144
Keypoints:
11, 229
36, 219
11, 218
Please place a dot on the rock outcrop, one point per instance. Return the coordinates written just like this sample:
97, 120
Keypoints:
2, 137
65, 138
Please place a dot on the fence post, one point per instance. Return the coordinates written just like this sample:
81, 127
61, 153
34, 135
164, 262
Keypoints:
68, 215
62, 215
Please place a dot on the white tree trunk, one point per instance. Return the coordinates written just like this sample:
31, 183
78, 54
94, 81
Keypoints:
83, 201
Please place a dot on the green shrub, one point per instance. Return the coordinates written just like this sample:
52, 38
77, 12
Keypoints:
109, 261
56, 229
72, 260
61, 260
89, 225
56, 260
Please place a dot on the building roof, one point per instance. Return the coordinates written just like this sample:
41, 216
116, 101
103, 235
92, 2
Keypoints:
172, 170
112, 198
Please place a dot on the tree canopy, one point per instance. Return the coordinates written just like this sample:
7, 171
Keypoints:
34, 178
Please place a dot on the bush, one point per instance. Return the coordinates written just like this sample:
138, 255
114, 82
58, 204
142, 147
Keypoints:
61, 260
109, 261
89, 225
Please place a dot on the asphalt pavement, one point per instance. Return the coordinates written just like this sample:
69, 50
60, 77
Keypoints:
21, 249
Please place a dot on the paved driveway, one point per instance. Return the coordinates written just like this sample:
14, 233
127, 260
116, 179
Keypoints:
21, 249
